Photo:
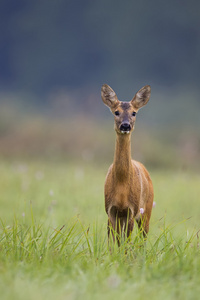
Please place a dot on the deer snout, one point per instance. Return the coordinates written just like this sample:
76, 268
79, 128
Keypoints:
125, 127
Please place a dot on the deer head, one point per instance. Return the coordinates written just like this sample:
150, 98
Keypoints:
125, 112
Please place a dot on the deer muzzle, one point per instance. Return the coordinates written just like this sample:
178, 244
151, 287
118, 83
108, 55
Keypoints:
125, 127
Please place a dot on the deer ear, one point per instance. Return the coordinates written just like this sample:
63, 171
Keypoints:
141, 97
108, 96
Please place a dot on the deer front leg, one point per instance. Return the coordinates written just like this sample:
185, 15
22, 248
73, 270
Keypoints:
114, 229
130, 227
143, 225
109, 229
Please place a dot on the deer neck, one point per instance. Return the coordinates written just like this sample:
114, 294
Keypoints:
122, 164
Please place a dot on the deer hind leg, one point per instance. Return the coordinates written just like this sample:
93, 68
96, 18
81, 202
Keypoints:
143, 222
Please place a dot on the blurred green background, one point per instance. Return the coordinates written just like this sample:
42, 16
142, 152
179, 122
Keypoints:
55, 55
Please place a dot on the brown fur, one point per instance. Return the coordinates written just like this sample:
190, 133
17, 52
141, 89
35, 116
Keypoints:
128, 186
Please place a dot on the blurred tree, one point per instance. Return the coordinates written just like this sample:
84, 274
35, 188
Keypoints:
46, 44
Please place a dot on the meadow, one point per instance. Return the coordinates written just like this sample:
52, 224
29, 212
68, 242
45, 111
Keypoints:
53, 235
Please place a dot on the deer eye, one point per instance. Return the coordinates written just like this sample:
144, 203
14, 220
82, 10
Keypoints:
116, 113
134, 113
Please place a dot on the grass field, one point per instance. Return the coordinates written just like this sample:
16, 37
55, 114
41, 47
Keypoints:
53, 241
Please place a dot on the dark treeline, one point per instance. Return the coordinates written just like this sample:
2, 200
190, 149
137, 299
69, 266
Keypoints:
46, 44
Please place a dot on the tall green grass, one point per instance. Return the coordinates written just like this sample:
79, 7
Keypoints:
53, 237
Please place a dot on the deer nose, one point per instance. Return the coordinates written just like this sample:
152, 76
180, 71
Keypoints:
125, 126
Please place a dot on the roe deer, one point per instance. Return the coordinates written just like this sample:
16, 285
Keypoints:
128, 186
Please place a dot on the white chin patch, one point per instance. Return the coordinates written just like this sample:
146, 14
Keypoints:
125, 132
